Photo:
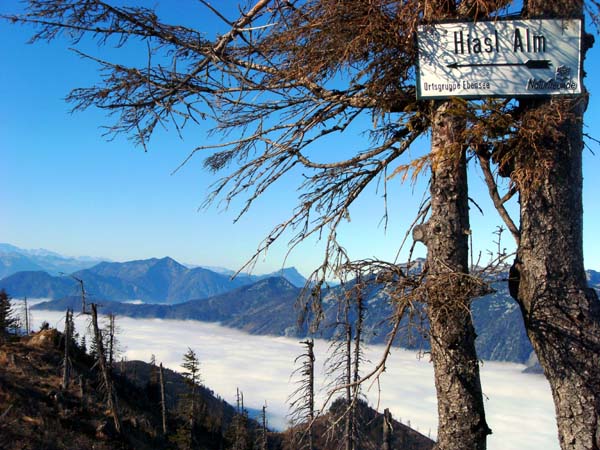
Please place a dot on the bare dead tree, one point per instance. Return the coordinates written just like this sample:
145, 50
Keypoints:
163, 403
111, 398
111, 339
400, 284
353, 437
238, 429
68, 337
263, 428
26, 314
302, 400
338, 367
343, 364
347, 356
83, 294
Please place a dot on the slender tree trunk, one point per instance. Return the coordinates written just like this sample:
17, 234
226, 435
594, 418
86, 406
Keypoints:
311, 391
81, 383
192, 412
561, 313
111, 340
348, 378
387, 430
461, 414
263, 444
67, 362
356, 364
111, 399
27, 327
163, 403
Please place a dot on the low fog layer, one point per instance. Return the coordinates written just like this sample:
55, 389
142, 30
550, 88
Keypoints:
519, 406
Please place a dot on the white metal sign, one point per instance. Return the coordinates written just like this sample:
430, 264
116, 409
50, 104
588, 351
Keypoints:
504, 58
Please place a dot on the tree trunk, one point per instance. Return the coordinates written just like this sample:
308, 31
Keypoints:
264, 441
360, 313
106, 380
66, 360
348, 377
163, 403
461, 414
561, 314
27, 327
462, 423
310, 344
387, 430
111, 340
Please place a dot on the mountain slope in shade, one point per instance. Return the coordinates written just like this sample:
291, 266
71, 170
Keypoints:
11, 263
38, 413
265, 307
38, 284
152, 280
593, 278
269, 307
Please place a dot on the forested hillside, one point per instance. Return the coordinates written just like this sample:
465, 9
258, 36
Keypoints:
37, 409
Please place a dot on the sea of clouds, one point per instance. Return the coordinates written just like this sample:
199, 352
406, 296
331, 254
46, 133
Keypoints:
519, 406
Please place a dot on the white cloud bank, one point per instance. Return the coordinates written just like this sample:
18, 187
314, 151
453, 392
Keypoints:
519, 406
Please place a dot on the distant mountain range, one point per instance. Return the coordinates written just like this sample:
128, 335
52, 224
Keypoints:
151, 281
261, 304
264, 307
14, 259
269, 307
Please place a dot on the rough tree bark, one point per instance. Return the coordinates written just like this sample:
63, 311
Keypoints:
561, 314
461, 413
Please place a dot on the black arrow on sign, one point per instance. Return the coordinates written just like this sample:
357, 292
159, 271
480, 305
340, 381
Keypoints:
531, 64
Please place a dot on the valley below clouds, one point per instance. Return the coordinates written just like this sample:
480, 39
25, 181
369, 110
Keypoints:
519, 406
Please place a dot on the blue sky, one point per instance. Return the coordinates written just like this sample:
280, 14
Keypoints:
68, 189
